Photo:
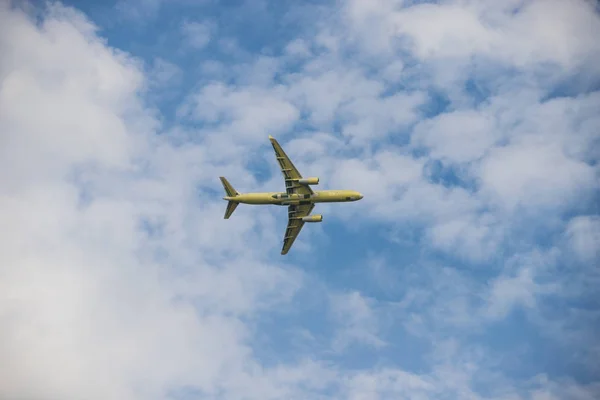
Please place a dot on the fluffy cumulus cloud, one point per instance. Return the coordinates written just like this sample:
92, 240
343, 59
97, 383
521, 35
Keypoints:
468, 271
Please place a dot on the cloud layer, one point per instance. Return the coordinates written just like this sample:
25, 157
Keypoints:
469, 270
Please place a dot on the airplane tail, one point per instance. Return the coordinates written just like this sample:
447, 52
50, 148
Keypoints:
230, 192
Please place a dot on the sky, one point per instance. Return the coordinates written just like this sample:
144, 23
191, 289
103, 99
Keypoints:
470, 269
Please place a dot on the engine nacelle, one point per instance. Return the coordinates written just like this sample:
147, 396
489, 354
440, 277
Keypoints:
309, 181
313, 218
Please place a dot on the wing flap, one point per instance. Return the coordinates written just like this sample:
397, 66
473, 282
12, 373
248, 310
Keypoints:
289, 171
294, 225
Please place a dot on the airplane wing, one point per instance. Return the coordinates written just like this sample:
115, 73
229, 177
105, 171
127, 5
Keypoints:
290, 173
294, 225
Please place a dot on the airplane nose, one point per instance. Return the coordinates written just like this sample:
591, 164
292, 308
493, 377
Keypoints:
360, 196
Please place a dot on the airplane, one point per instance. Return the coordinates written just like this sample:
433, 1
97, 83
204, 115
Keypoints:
299, 197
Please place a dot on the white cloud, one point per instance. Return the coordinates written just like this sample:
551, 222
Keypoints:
163, 73
475, 238
547, 389
86, 287
389, 382
249, 113
85, 310
511, 31
583, 234
533, 172
371, 118
98, 84
442, 30
198, 34
521, 284
507, 292
139, 10
322, 90
357, 321
298, 49
459, 137
380, 178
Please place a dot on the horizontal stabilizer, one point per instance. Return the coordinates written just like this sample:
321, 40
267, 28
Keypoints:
231, 192
231, 206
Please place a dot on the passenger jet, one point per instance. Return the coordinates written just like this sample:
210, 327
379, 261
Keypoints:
299, 197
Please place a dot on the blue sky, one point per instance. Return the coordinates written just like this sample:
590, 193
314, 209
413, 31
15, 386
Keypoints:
468, 271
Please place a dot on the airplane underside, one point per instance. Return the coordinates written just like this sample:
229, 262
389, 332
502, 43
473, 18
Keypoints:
295, 203
298, 197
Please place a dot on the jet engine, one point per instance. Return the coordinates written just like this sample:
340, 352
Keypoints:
313, 218
309, 181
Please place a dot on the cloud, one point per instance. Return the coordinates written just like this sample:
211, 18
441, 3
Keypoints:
163, 72
458, 137
80, 288
139, 10
197, 34
535, 174
384, 383
357, 321
514, 32
105, 79
246, 113
471, 128
474, 238
507, 292
583, 234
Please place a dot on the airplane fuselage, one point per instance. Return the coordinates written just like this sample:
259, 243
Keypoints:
299, 197
283, 199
